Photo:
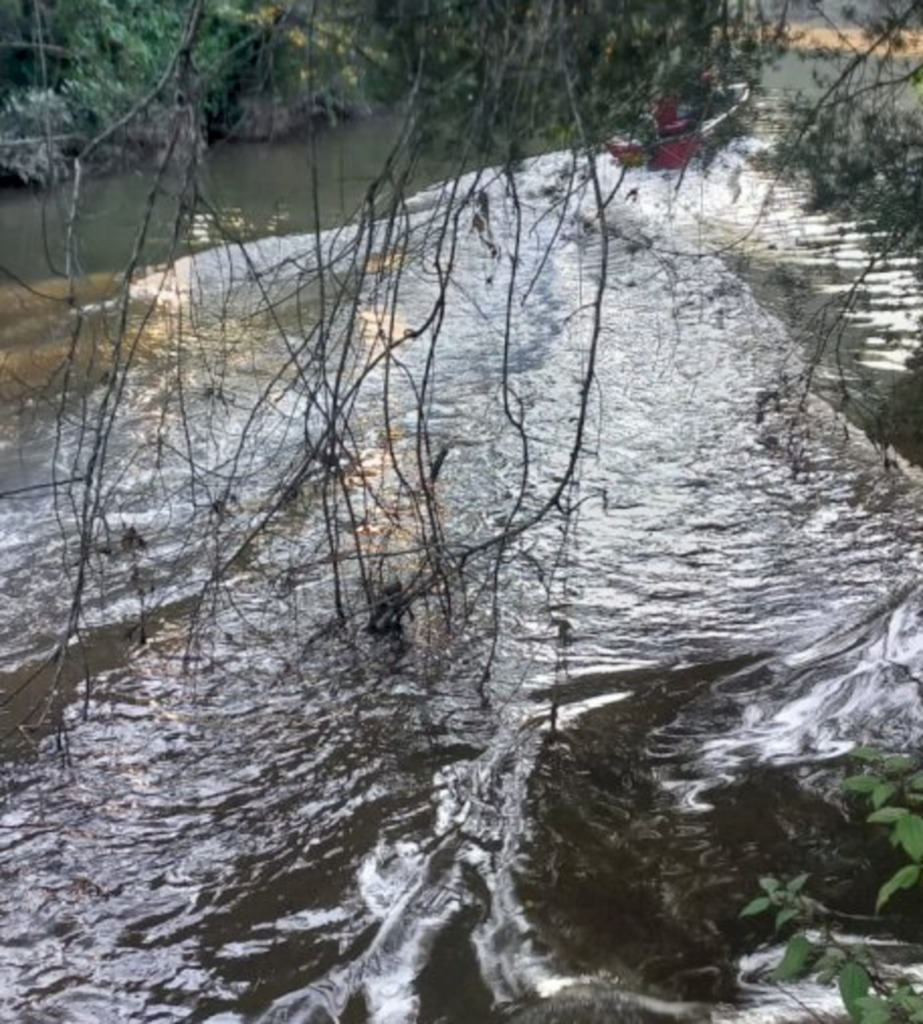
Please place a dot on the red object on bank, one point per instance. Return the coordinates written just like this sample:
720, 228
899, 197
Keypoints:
679, 135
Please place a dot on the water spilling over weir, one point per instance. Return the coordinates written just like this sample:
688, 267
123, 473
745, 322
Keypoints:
263, 819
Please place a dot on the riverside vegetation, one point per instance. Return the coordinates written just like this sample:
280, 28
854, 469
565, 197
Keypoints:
890, 786
72, 69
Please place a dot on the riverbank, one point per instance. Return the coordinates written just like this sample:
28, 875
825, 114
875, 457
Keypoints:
158, 135
43, 132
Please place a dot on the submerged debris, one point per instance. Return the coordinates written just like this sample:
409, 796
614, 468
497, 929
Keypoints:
388, 609
132, 540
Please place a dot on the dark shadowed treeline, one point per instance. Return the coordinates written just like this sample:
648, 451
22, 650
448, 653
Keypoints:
504, 71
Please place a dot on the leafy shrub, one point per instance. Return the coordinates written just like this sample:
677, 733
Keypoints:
891, 785
33, 127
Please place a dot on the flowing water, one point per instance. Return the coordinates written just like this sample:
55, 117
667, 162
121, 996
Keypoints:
270, 822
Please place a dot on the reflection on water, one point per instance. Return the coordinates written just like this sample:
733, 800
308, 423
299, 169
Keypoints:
267, 820
245, 191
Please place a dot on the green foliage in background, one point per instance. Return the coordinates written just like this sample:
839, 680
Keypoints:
101, 57
490, 75
112, 52
890, 787
39, 114
571, 72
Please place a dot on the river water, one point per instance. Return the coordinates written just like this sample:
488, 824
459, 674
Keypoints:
260, 816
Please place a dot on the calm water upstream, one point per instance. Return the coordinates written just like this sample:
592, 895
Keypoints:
288, 826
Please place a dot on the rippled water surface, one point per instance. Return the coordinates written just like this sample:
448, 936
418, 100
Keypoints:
268, 821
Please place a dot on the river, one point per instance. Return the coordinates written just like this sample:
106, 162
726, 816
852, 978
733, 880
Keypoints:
638, 706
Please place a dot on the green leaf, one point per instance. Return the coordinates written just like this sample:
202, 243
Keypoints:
769, 885
861, 783
784, 916
887, 815
796, 884
909, 832
913, 1007
756, 906
906, 877
866, 754
875, 1010
883, 793
795, 960
908, 1000
828, 965
916, 781
830, 958
898, 764
854, 983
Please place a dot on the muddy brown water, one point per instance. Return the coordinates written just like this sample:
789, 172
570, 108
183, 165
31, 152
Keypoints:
274, 830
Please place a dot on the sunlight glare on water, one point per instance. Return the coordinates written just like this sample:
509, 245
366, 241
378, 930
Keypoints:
347, 832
